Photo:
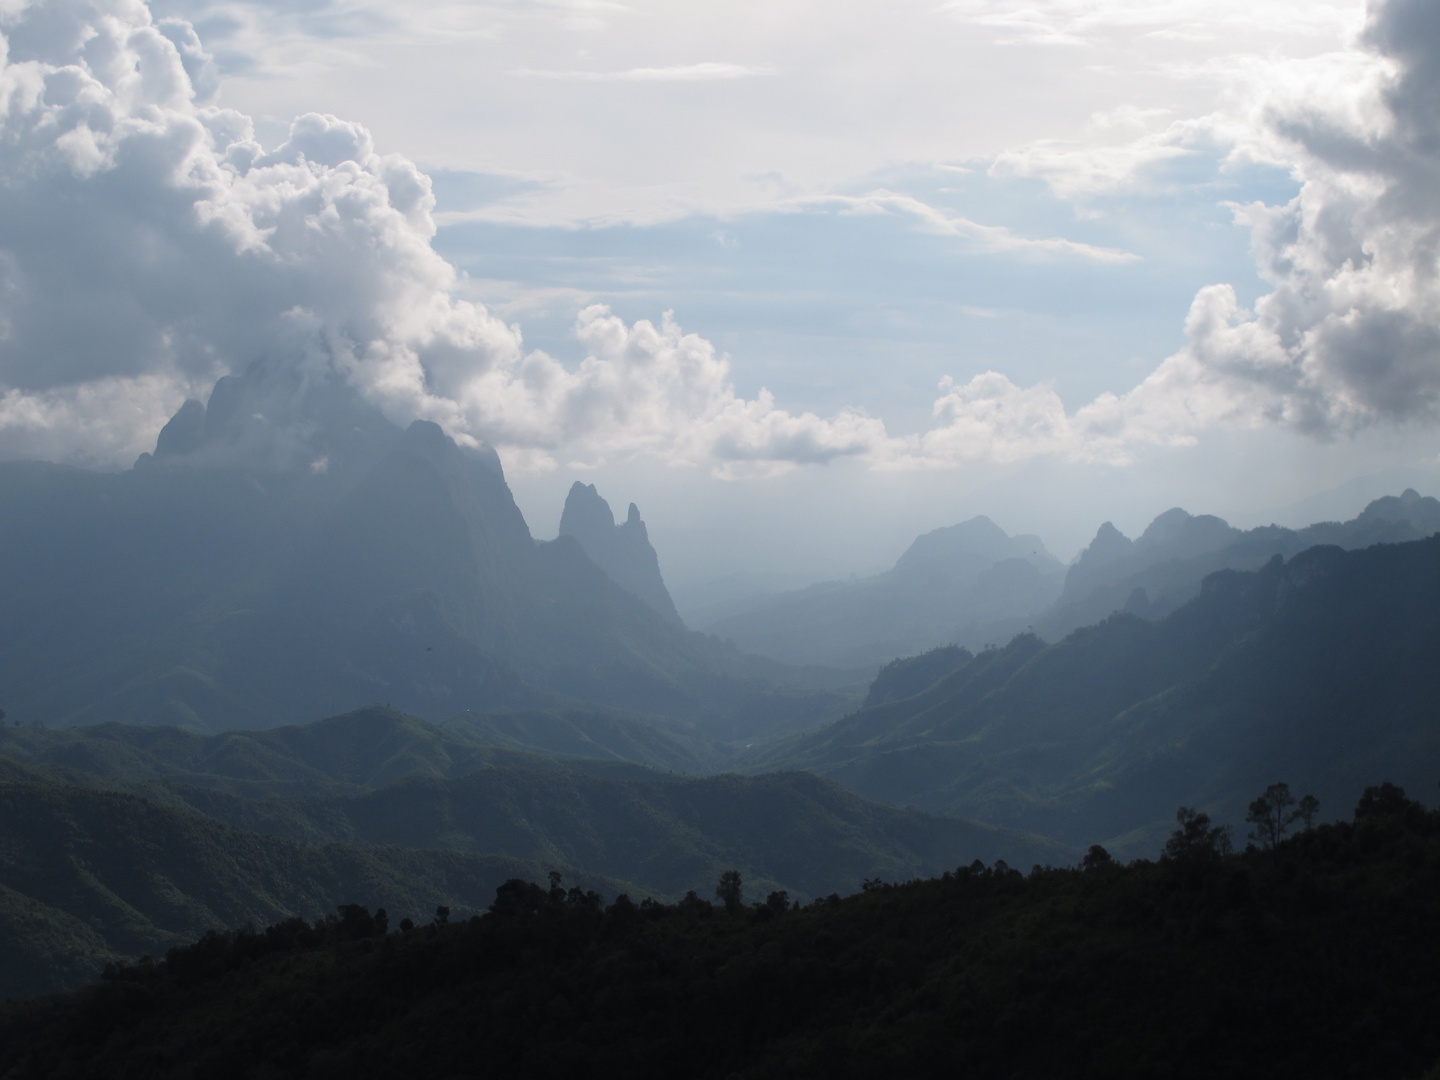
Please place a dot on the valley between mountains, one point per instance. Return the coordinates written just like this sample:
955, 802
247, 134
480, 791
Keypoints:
237, 691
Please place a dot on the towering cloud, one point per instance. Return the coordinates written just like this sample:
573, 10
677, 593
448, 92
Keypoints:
1349, 336
149, 245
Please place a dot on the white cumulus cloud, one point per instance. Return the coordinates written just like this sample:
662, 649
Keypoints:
149, 244
1349, 335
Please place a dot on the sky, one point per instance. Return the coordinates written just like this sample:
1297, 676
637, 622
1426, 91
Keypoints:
801, 279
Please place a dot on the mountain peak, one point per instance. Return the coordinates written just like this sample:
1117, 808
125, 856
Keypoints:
1109, 543
1177, 534
1422, 511
622, 551
1166, 527
967, 548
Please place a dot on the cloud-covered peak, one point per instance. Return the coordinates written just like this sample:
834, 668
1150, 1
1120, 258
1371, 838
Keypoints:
151, 245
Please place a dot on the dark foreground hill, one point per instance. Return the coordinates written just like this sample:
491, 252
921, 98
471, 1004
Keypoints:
1321, 670
1322, 959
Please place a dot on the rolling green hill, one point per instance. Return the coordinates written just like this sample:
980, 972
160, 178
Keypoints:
89, 876
116, 841
363, 749
791, 831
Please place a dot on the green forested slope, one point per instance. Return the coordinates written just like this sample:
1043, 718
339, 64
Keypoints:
120, 841
365, 748
1320, 671
1322, 959
89, 875
793, 831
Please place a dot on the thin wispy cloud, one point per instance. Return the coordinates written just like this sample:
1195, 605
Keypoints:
703, 72
990, 238
1086, 22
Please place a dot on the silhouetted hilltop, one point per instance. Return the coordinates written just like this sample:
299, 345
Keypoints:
1173, 535
1318, 960
622, 551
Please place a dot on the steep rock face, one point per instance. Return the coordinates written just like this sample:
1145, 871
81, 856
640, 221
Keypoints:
288, 553
182, 435
623, 551
1109, 548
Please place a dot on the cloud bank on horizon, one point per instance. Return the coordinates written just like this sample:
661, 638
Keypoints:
150, 244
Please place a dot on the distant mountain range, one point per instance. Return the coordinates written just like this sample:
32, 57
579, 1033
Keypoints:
1318, 671
963, 582
1161, 569
973, 585
288, 553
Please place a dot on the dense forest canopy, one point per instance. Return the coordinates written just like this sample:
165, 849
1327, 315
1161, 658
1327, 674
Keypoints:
1318, 957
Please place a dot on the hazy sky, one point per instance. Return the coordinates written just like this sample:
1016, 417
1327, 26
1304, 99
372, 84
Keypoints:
802, 279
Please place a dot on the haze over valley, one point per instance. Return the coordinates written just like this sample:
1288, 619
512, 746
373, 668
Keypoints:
611, 539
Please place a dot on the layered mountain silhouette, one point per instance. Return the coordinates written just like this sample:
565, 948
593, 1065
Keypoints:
1318, 671
1162, 568
623, 551
288, 553
971, 585
967, 582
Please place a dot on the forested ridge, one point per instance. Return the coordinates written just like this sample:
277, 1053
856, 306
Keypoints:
1318, 955
159, 843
